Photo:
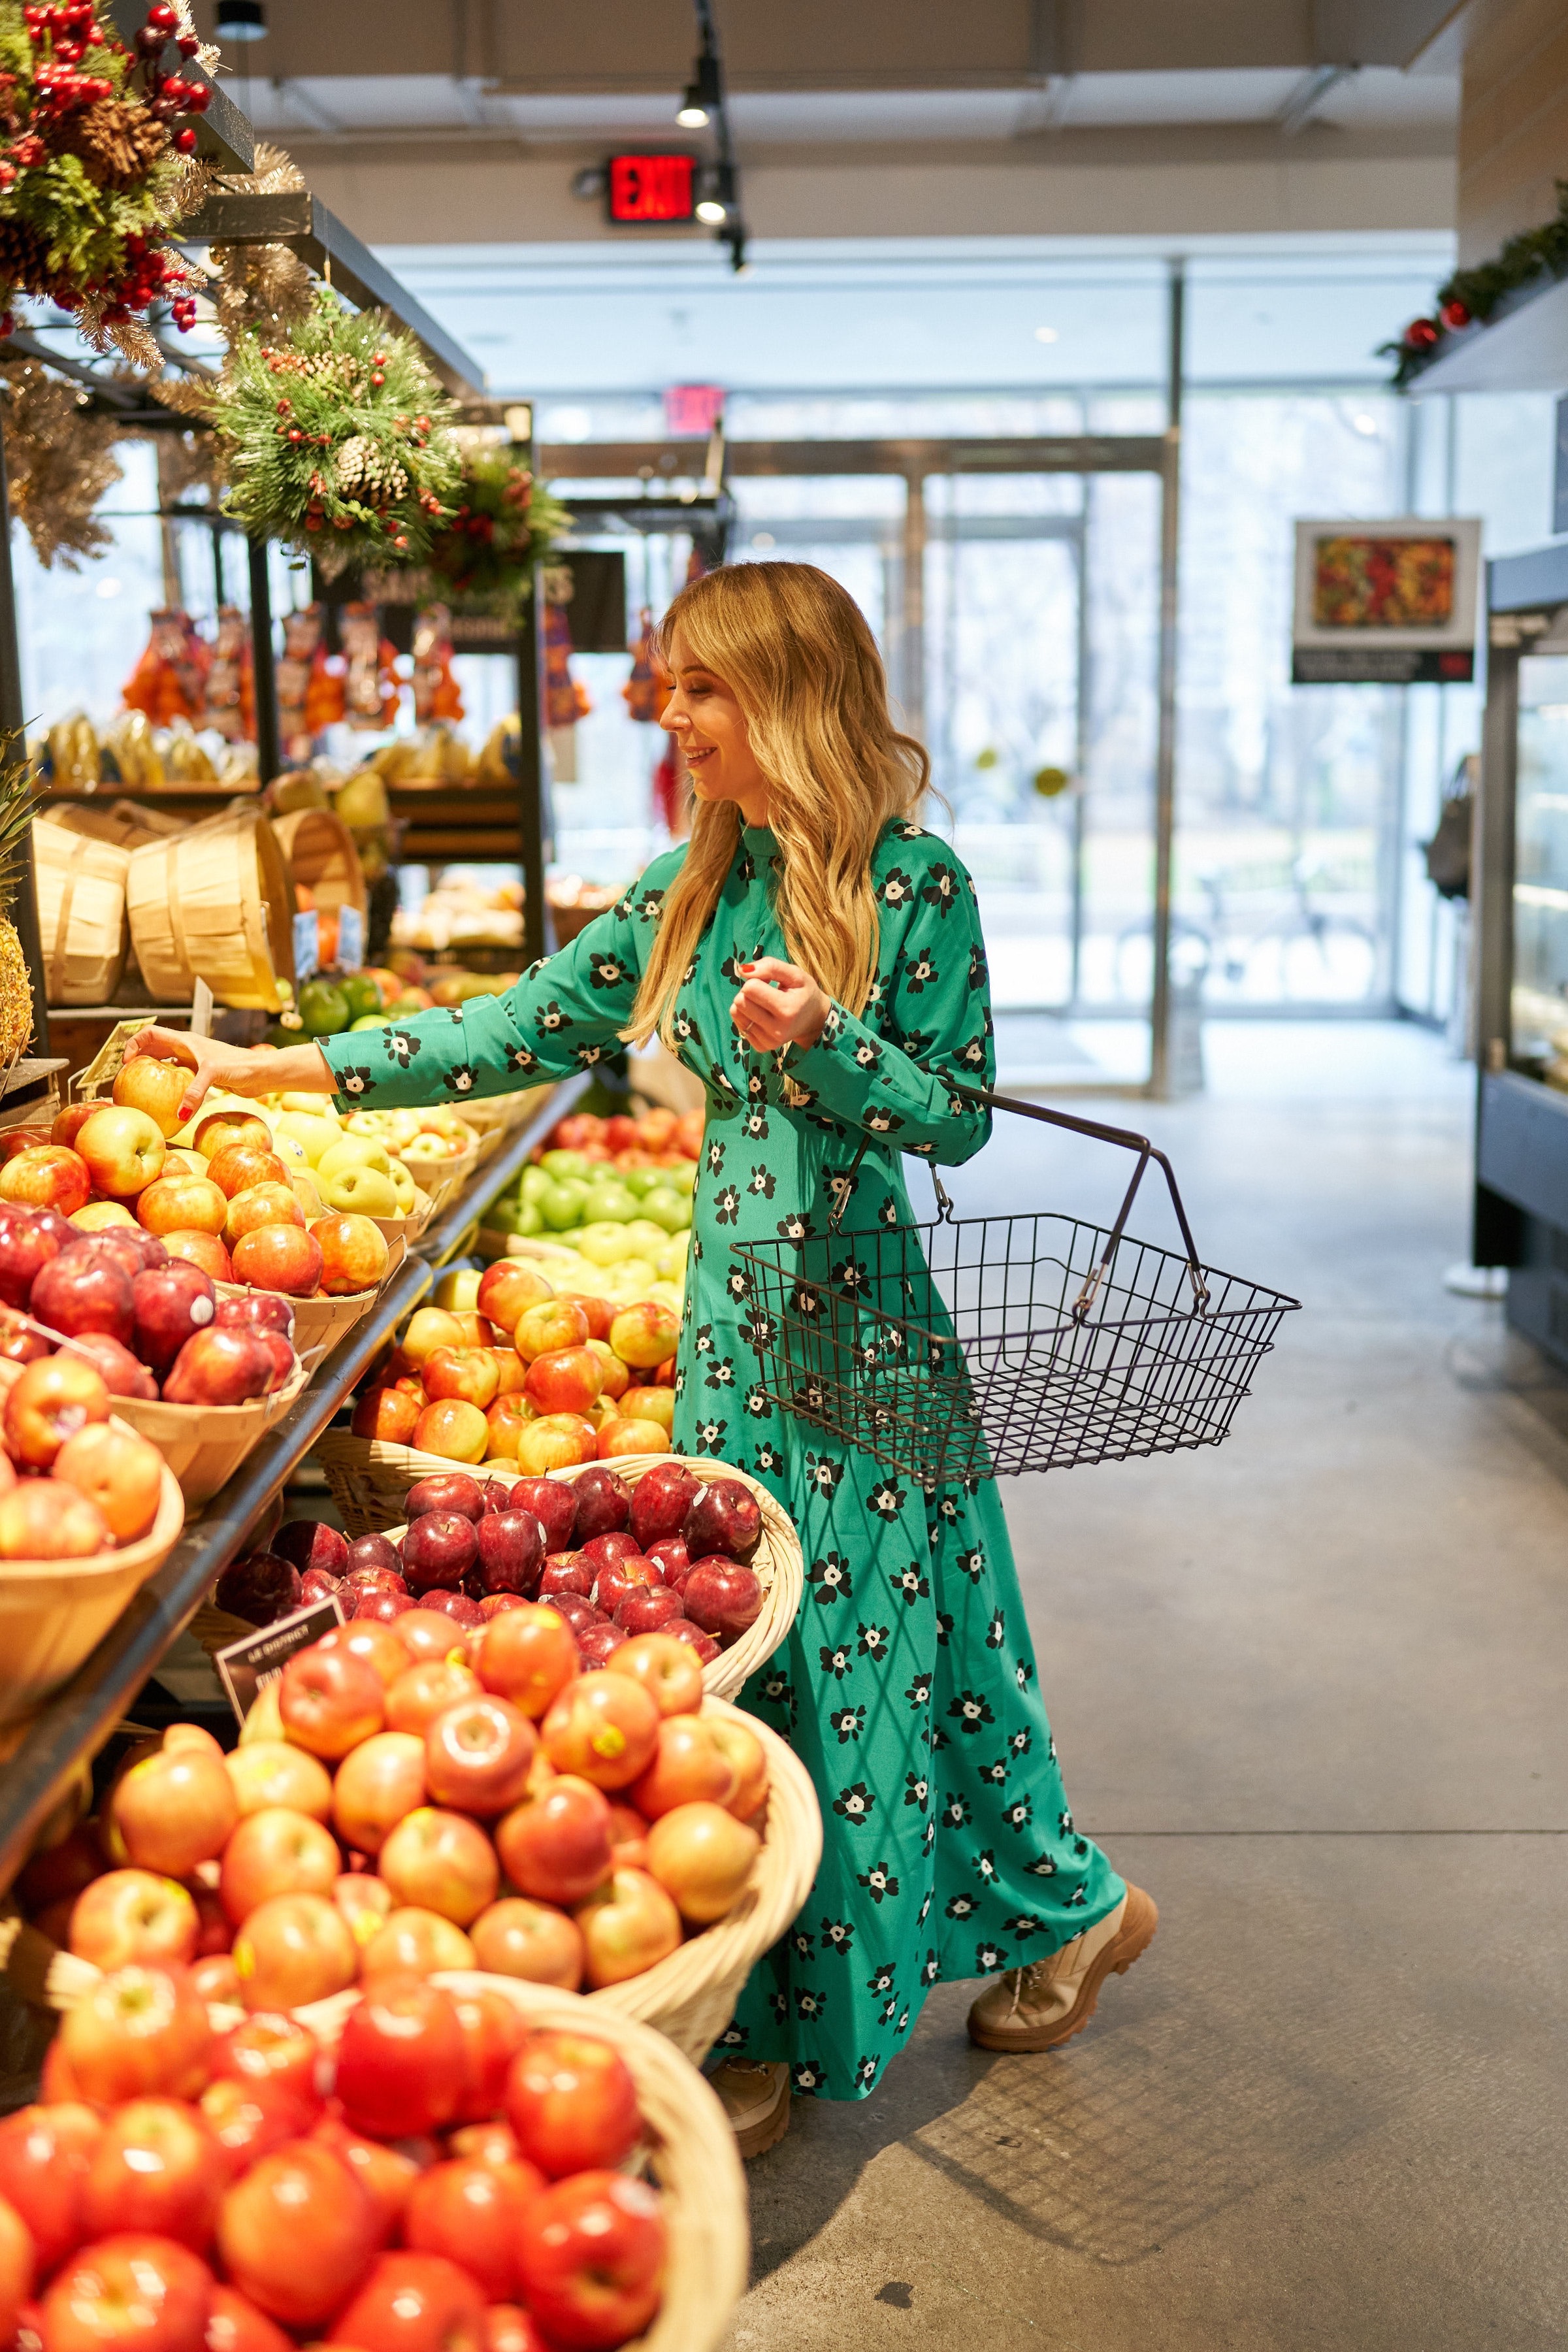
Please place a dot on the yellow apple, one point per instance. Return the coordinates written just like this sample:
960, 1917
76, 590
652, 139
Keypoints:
364, 1191
353, 1151
459, 1291
312, 1132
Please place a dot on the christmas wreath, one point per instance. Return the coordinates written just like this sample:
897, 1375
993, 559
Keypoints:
338, 437
1472, 297
93, 172
504, 522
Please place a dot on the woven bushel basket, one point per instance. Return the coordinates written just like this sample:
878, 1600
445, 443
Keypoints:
442, 1179
82, 913
204, 1444
369, 1480
212, 903
321, 855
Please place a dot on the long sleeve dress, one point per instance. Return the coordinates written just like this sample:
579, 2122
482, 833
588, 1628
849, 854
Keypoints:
907, 1686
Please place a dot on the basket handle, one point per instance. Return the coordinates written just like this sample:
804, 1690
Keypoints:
1128, 1141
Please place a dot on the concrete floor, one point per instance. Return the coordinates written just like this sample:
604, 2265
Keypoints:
1308, 1690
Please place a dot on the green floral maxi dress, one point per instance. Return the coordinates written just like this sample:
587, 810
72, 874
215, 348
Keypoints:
907, 1686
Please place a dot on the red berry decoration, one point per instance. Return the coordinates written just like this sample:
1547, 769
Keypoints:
1455, 315
1421, 334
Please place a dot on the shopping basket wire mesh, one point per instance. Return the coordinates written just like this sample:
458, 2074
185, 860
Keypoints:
983, 1347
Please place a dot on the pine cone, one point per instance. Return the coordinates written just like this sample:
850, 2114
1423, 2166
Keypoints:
365, 472
24, 258
118, 139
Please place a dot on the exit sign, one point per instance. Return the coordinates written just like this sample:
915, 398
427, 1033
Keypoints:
651, 188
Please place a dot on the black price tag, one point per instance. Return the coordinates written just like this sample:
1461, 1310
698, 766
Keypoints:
246, 1667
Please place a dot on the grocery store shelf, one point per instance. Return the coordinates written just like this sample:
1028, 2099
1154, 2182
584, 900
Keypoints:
80, 1718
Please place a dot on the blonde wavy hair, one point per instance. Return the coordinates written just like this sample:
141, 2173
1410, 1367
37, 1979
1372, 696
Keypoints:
794, 648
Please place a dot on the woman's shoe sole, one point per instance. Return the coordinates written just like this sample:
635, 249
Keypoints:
757, 2139
1134, 1936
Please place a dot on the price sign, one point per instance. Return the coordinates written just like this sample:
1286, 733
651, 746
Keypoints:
307, 945
651, 188
351, 939
246, 1667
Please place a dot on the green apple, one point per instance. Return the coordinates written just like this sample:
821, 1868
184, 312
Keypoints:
310, 1130
667, 1208
312, 1106
563, 1205
356, 1151
403, 1184
638, 1180
605, 1244
609, 1202
534, 1184
671, 1262
367, 1192
569, 1163
635, 1276
680, 1177
645, 1238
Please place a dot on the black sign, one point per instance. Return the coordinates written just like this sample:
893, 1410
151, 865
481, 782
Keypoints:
246, 1667
1364, 665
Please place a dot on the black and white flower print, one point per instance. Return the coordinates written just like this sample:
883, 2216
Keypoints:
832, 1577
837, 1662
460, 1079
848, 1723
918, 1692
970, 1710
865, 2072
988, 1956
886, 1501
520, 1059
940, 889
960, 1906
880, 1981
761, 1180
794, 1227
401, 1045
921, 974
1018, 1814
896, 888
985, 1864
837, 1935
824, 1473
801, 1942
855, 1804
872, 1642
711, 1436
916, 1789
930, 1969
550, 1020
608, 971
996, 1632
879, 1882
355, 1081
809, 2005
996, 1773
721, 1373
769, 1463
909, 1585
955, 1811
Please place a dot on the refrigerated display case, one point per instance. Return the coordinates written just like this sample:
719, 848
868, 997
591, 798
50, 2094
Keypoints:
1522, 976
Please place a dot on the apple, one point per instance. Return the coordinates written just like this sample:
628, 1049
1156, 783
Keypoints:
510, 1370
378, 1604
132, 1915
130, 2289
553, 1503
528, 1657
259, 1311
702, 1857
385, 2174
430, 1328
182, 1204
439, 1550
44, 2154
459, 1606
156, 2166
673, 1558
85, 1289
571, 2103
68, 1124
45, 1518
121, 1374
660, 1502
122, 1472
218, 1366
493, 2031
568, 1381
354, 1255
275, 1851
330, 1701
747, 1760
298, 2232
216, 1979
549, 1327
598, 1643
507, 1291
608, 1550
377, 1784
412, 1941
510, 1550
681, 1629
173, 1810
591, 2258
123, 1149
139, 2031
101, 1216
687, 1766
376, 1644
555, 1442
400, 2060
532, 1940
260, 1587
168, 1304
726, 1519
294, 1948
471, 2212
467, 1372
271, 2049
441, 1862
667, 1670
49, 1404
599, 1314
312, 1543
603, 1506
234, 2324
650, 1405
644, 1608
364, 1901
240, 1166
556, 1846
258, 1205
447, 1490
619, 1439
18, 1343
628, 1924
454, 1428
390, 1414
223, 1130
563, 1573
425, 1635
415, 2303
279, 1258
25, 1245
722, 1597
273, 1775
202, 1249
477, 1756
47, 1176
505, 1420
604, 1728
645, 1334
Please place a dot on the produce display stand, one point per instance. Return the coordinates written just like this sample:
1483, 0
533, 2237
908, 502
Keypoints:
78, 1720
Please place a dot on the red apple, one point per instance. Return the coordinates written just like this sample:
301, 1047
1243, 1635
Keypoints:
131, 1916
312, 1543
701, 1856
473, 2212
530, 1658
25, 1246
532, 1940
260, 1310
234, 2325
446, 1491
645, 1334
330, 1701
157, 2166
555, 1442
169, 1303
507, 1291
553, 1504
565, 1571
45, 1518
259, 1205
424, 1633
575, 1608
173, 1810
660, 1502
549, 1327
140, 2294
555, 1846
439, 1550
491, 2143
568, 1380
493, 2030
747, 1760
387, 1413
364, 1901
377, 1784
477, 1754
468, 1372
275, 1851
156, 1089
293, 1949
122, 1374
298, 2233
218, 1366
260, 1588
52, 1400
385, 2174
376, 1645
372, 1552
426, 1690
240, 1166
401, 2058
644, 1608
509, 2328
414, 1942
604, 1505
271, 2048
222, 1129
201, 1249
649, 1404
450, 1427
354, 1255
571, 2103
510, 1550
495, 1604
592, 2260
123, 1150
441, 1862
510, 1371
274, 1773
250, 2119
415, 2303
687, 1766
85, 1290
667, 1670
279, 1258
596, 1643
377, 1603
628, 1924
216, 1979
137, 2033
609, 1550
604, 1728
681, 1629
47, 1176
45, 2153
726, 1519
182, 1203
721, 1596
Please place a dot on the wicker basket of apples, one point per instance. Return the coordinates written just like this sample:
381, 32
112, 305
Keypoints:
407, 1798
474, 2164
436, 1147
692, 1548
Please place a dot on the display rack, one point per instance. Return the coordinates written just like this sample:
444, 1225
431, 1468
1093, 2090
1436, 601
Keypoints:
83, 1716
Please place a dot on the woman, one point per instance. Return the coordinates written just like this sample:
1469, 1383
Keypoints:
802, 954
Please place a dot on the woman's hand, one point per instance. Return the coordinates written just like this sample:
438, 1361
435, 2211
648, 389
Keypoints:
778, 1004
256, 1070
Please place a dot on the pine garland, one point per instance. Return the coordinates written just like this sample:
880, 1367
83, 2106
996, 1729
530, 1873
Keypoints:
338, 439
504, 524
60, 459
1472, 297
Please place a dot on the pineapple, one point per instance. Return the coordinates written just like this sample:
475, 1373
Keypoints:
18, 794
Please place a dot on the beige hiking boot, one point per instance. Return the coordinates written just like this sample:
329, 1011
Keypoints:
755, 2097
1037, 2007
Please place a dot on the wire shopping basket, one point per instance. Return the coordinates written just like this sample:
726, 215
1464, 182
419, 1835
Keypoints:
984, 1347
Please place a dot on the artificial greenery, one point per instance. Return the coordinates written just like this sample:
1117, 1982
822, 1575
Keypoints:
1470, 296
338, 439
504, 523
93, 174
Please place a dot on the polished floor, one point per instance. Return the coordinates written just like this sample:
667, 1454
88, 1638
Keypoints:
1309, 1690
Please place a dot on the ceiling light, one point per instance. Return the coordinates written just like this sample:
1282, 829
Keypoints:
241, 20
711, 211
703, 96
692, 115
1045, 334
1364, 423
718, 197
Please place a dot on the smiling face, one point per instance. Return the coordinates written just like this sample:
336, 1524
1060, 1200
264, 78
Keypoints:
711, 729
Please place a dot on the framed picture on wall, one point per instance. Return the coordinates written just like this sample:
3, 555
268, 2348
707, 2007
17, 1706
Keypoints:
1385, 603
